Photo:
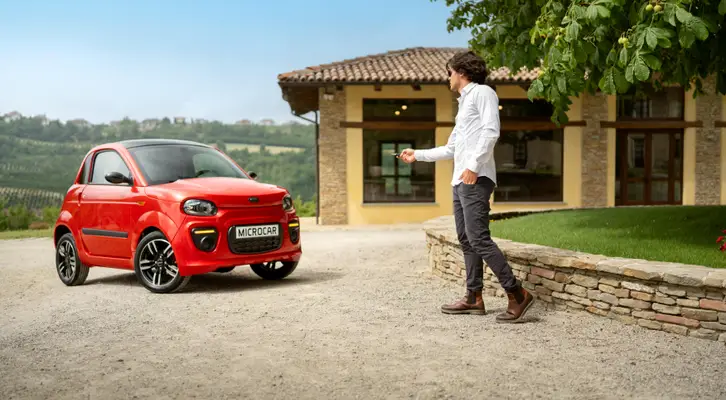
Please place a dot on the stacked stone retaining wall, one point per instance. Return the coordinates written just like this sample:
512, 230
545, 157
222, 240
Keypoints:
680, 299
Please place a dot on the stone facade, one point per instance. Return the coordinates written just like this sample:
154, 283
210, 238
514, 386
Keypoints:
594, 151
675, 298
333, 181
708, 145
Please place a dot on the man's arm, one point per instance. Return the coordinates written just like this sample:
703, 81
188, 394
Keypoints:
487, 105
445, 152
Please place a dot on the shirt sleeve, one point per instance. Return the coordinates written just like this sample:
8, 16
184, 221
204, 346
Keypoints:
445, 152
487, 105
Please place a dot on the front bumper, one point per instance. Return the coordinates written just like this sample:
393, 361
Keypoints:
202, 244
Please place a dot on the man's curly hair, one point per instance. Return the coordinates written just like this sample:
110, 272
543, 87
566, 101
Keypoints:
467, 63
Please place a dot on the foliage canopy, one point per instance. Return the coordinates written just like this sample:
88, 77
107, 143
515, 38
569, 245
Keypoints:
612, 45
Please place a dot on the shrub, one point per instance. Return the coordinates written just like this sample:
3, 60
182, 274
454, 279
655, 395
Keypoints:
50, 215
305, 209
19, 217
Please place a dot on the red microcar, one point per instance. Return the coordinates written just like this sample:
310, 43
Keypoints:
170, 209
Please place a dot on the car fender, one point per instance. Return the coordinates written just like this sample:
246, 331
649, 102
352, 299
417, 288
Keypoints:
154, 219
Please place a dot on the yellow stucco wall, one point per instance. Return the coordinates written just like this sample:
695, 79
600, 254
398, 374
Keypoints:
359, 213
689, 151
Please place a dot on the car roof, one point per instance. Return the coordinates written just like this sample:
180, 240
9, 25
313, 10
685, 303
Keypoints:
129, 144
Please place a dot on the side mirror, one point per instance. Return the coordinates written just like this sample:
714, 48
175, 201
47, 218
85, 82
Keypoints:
252, 175
117, 178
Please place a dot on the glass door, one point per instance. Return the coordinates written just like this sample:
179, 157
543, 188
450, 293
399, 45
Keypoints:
649, 167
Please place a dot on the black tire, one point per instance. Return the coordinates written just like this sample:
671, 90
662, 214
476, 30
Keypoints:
224, 269
274, 270
70, 269
155, 265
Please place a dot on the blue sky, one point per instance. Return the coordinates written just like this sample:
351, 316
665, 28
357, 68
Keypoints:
106, 59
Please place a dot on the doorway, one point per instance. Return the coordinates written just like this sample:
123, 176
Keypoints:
649, 167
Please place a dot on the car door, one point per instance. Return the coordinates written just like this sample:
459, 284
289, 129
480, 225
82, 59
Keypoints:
108, 210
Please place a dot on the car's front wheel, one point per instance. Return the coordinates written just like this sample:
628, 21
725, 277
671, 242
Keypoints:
274, 270
155, 265
71, 271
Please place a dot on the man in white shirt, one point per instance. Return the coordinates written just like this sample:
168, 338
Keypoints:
471, 145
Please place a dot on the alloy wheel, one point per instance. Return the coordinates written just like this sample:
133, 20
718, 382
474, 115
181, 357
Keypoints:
157, 263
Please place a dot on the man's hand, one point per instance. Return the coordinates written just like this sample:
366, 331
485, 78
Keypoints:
468, 177
407, 156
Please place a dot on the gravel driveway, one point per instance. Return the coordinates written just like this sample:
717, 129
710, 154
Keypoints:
358, 319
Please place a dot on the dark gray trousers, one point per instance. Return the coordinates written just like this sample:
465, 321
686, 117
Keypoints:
471, 213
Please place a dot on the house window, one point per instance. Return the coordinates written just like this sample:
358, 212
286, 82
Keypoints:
666, 103
528, 160
387, 179
529, 166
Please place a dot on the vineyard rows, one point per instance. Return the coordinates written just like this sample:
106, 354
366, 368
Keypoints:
34, 199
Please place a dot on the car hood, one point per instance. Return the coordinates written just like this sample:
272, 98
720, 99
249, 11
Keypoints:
224, 192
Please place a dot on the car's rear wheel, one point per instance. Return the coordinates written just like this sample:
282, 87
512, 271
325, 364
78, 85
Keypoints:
274, 270
155, 265
71, 271
224, 269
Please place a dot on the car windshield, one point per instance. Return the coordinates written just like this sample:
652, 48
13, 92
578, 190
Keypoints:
168, 163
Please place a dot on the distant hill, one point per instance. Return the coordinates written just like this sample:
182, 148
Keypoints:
45, 155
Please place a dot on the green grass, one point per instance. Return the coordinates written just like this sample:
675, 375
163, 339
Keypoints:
683, 234
25, 234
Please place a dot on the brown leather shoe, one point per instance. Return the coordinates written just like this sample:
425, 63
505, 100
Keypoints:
472, 303
519, 302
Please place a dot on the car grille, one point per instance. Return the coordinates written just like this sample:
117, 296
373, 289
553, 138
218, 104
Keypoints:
253, 245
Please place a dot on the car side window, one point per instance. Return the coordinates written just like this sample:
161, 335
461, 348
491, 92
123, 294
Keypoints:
106, 162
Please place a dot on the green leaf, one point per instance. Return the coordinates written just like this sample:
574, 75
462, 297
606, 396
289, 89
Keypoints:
580, 52
722, 7
686, 38
629, 72
612, 57
664, 43
579, 12
683, 15
651, 38
640, 68
621, 83
696, 26
536, 89
572, 32
623, 61
607, 82
652, 61
562, 84
594, 11
669, 13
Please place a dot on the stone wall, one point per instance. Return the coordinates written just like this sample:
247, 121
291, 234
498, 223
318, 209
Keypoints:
333, 182
708, 145
594, 151
675, 298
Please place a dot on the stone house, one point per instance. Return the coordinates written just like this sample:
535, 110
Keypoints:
663, 148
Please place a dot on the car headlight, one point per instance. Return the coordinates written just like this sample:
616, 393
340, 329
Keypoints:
287, 203
199, 207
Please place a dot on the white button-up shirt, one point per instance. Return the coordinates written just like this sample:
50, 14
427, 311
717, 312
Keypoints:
476, 131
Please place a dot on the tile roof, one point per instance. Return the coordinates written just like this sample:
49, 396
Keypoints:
413, 65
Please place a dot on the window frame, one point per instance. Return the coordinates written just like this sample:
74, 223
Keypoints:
92, 169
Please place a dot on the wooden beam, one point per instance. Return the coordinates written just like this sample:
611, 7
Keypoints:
720, 124
652, 124
506, 125
534, 125
396, 125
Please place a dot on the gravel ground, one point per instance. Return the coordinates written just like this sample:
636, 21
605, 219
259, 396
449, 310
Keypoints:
358, 319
